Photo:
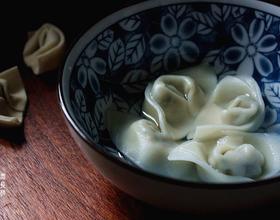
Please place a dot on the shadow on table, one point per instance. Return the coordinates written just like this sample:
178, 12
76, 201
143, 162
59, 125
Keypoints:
259, 212
14, 135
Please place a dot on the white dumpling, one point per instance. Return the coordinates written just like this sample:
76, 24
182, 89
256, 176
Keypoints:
230, 156
13, 98
141, 141
233, 157
44, 49
174, 101
193, 152
216, 116
235, 103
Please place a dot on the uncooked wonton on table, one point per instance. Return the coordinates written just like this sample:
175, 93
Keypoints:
45, 48
13, 98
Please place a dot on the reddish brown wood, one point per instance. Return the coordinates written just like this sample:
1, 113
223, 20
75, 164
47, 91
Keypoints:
47, 177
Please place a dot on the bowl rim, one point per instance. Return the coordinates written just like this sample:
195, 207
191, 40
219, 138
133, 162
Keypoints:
265, 7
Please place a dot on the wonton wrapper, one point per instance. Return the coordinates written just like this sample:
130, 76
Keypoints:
44, 49
236, 103
174, 101
12, 98
141, 141
192, 104
242, 153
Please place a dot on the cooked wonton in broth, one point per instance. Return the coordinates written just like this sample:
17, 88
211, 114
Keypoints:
199, 129
184, 94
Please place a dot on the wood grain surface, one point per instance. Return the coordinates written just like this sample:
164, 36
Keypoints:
46, 175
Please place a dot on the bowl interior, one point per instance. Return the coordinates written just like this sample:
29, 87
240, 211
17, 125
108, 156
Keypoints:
113, 62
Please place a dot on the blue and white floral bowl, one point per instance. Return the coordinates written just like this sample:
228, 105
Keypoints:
114, 60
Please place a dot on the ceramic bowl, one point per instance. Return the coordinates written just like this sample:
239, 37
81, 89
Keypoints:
115, 59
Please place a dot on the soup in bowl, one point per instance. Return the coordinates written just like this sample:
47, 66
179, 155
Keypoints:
177, 102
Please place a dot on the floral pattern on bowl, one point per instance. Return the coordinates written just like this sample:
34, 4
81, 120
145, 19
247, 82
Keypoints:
115, 67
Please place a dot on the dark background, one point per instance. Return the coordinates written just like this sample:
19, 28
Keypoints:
72, 17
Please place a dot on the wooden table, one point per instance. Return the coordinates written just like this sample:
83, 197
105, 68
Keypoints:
46, 175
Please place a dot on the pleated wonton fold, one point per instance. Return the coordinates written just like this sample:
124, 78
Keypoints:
144, 144
13, 98
197, 128
230, 155
174, 101
45, 48
236, 103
